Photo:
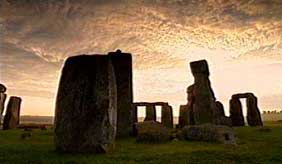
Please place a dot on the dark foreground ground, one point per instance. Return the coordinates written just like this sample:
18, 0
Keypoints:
254, 146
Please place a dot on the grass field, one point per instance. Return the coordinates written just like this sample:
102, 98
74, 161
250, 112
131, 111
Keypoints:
254, 146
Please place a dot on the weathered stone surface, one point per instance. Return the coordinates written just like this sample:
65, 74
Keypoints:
12, 116
2, 88
152, 132
204, 100
2, 104
253, 114
236, 113
209, 133
183, 116
150, 113
167, 117
122, 63
85, 114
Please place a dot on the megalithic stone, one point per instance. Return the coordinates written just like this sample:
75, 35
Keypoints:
2, 88
85, 114
12, 116
204, 102
253, 114
151, 113
2, 104
122, 63
183, 116
236, 113
167, 117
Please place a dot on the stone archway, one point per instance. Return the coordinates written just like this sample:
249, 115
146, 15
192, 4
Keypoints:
166, 112
236, 113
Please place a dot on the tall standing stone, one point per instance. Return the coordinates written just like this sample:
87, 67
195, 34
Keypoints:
12, 116
204, 103
85, 114
150, 113
236, 113
2, 88
3, 97
253, 114
122, 63
167, 116
183, 116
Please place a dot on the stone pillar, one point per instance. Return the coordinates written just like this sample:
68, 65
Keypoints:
3, 97
122, 63
85, 114
253, 114
151, 113
183, 116
2, 100
135, 119
236, 113
167, 116
204, 103
12, 116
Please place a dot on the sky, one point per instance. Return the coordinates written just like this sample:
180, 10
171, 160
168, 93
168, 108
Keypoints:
240, 39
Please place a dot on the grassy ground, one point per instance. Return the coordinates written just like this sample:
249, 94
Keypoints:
254, 146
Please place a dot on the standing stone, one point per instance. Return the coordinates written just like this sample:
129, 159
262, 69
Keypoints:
236, 113
85, 114
219, 115
253, 114
2, 104
191, 100
150, 113
183, 116
2, 88
204, 103
122, 63
135, 119
12, 117
167, 118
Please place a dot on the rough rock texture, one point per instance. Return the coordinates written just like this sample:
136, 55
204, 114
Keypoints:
2, 104
167, 117
12, 117
253, 114
209, 133
122, 63
191, 100
2, 88
236, 113
85, 114
183, 116
150, 113
204, 100
152, 132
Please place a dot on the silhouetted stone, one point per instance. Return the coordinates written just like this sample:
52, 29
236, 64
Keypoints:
2, 104
209, 133
204, 100
191, 100
152, 132
122, 63
253, 114
85, 115
183, 116
135, 119
12, 116
167, 118
236, 113
219, 115
2, 88
150, 113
